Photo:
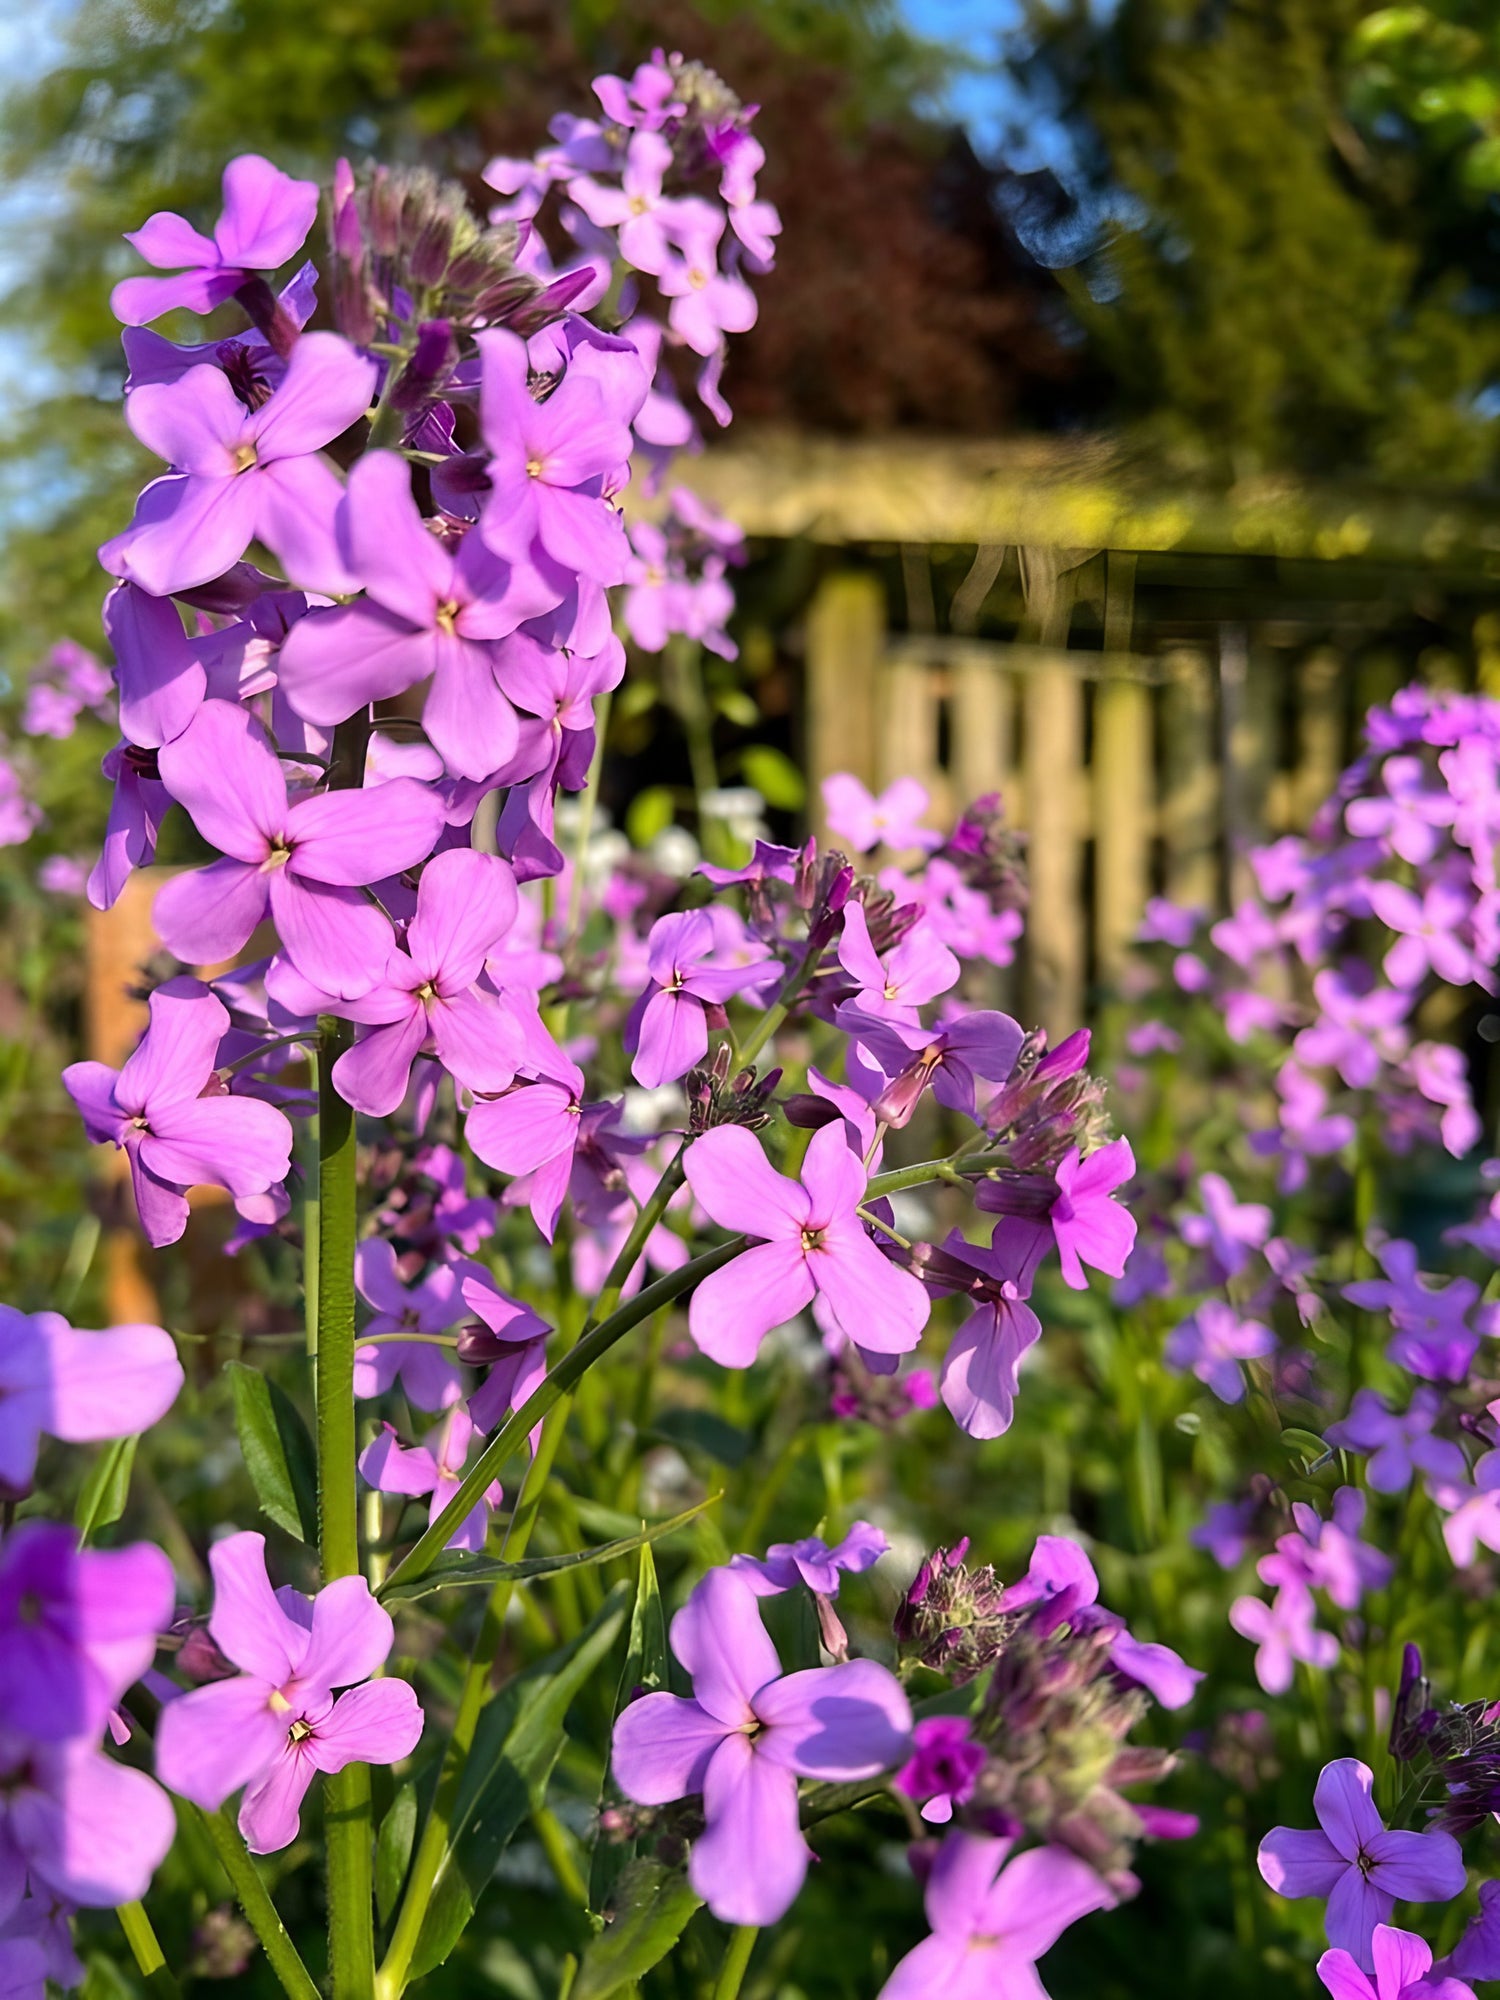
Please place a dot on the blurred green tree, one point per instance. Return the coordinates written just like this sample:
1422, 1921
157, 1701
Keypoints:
1260, 234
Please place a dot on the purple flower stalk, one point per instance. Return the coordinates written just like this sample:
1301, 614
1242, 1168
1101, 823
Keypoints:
813, 1245
743, 1740
279, 1722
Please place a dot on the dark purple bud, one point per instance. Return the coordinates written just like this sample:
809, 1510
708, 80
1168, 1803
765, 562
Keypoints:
268, 315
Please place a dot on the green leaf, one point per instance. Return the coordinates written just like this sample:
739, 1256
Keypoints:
649, 813
107, 1488
774, 776
393, 1846
452, 1571
645, 1668
652, 1904
737, 707
519, 1738
278, 1452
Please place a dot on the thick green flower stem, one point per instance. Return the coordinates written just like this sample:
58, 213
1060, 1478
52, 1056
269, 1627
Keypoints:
149, 1958
736, 1959
346, 1803
253, 1898
428, 1860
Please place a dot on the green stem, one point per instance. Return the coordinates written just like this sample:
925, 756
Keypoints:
346, 1812
149, 1958
433, 1846
253, 1898
780, 1007
736, 1958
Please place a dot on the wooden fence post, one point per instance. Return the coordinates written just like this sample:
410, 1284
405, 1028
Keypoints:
845, 644
1052, 757
1189, 801
1250, 698
1123, 795
1320, 731
117, 945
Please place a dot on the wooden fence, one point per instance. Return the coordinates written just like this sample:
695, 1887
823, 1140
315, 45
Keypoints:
1130, 774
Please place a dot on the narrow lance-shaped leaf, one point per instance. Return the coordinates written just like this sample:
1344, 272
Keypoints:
651, 1906
454, 1570
102, 1499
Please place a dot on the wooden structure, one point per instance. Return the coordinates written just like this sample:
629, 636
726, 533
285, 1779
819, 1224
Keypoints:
1182, 671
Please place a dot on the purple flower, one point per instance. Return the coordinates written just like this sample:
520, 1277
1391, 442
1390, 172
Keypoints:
435, 1467
178, 1131
866, 821
1329, 1555
812, 1561
304, 862
427, 997
1088, 1226
77, 1628
1426, 924
1282, 1632
943, 1766
513, 1344
75, 1385
1477, 1953
1358, 1027
1061, 1576
136, 811
1473, 1511
1433, 1338
550, 463
1400, 1444
950, 1060
1212, 1342
1228, 1229
265, 222
913, 971
707, 303
430, 612
533, 1131
161, 679
278, 1722
634, 207
1401, 1961
1225, 1531
428, 1373
240, 476
745, 1738
992, 1918
981, 1370
1355, 1864
814, 1244
82, 1827
667, 1030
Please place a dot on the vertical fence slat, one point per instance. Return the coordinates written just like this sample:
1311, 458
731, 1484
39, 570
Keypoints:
845, 642
1250, 694
1053, 701
907, 702
1123, 792
1320, 731
1189, 798
982, 731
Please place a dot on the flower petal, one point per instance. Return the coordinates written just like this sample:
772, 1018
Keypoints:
662, 1747
752, 1860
